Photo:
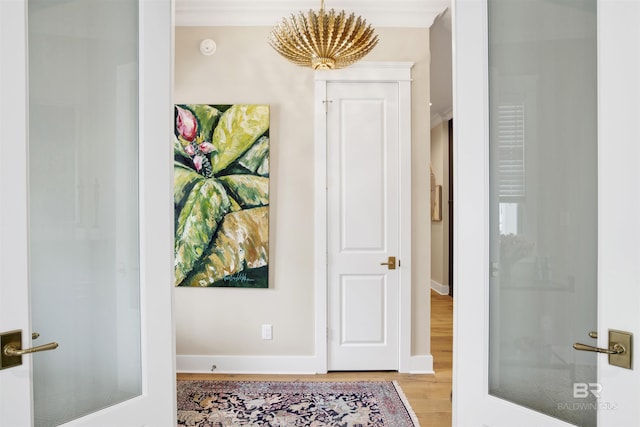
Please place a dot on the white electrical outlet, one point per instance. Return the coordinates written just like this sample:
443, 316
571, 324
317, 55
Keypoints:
267, 332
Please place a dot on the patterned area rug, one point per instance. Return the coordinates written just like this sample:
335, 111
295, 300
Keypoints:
316, 404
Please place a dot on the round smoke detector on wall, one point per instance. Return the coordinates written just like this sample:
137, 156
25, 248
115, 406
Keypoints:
207, 47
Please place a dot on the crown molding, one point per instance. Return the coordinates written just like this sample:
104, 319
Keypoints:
438, 117
378, 13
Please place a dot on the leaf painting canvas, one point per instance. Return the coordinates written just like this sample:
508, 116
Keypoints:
221, 195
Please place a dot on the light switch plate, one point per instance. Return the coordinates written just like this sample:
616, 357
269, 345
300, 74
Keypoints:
267, 332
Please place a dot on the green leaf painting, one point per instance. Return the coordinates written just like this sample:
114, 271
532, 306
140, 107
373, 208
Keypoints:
221, 195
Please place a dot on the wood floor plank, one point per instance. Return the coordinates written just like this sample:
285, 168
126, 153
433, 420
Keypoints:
428, 395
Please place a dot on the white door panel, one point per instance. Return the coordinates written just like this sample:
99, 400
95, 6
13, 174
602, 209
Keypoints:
363, 300
363, 212
362, 153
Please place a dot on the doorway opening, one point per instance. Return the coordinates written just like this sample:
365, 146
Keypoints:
442, 230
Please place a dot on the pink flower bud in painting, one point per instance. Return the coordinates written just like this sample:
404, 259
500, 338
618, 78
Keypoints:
206, 147
197, 161
190, 150
186, 124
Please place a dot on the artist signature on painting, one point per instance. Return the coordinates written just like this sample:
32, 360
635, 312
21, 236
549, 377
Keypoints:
240, 277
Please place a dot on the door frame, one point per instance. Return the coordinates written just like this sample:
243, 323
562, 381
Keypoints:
450, 205
395, 72
470, 95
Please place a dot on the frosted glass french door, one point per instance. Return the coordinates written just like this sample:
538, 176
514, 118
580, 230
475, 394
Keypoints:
548, 183
86, 249
543, 204
83, 205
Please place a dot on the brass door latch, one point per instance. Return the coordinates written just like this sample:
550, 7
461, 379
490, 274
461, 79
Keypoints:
11, 350
619, 351
391, 263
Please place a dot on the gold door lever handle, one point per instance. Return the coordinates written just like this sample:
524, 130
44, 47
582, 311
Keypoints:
616, 348
391, 263
13, 349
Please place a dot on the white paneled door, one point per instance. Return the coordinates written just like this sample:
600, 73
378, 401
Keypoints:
363, 226
546, 110
86, 241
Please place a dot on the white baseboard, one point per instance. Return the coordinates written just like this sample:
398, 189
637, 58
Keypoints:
440, 288
298, 365
421, 365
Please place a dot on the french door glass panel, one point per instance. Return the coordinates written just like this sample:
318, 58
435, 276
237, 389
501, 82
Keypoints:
543, 205
83, 204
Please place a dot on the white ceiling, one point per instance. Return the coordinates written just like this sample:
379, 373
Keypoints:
380, 13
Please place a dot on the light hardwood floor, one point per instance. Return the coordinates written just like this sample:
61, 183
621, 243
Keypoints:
428, 395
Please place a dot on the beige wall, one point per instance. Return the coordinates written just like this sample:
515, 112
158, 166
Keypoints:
244, 69
440, 229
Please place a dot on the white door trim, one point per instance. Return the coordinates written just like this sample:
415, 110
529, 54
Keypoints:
471, 213
399, 72
13, 222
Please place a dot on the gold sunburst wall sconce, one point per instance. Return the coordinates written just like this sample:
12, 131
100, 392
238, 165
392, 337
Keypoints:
323, 40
